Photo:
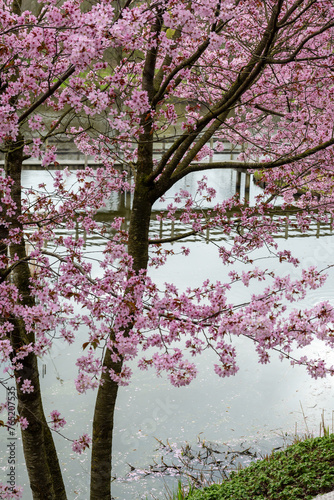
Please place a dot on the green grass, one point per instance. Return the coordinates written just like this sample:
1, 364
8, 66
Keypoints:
180, 494
300, 472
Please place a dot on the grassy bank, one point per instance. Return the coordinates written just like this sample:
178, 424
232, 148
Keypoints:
300, 472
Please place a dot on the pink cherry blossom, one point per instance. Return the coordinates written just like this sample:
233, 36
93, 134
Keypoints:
23, 423
57, 421
10, 493
26, 387
80, 444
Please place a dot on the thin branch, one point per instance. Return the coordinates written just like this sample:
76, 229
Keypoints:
284, 21
269, 111
47, 94
292, 57
198, 167
245, 79
174, 238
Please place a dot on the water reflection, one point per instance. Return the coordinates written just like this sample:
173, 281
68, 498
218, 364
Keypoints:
227, 183
256, 406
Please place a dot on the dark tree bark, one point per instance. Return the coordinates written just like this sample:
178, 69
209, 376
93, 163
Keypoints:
138, 244
103, 422
103, 426
40, 454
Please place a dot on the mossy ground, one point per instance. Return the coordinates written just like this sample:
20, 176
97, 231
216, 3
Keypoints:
300, 472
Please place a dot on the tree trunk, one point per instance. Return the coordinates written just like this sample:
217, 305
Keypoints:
103, 421
39, 451
103, 425
143, 200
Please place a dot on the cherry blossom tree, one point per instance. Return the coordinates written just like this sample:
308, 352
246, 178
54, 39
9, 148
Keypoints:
117, 79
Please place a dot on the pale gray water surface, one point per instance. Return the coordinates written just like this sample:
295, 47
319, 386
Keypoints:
256, 406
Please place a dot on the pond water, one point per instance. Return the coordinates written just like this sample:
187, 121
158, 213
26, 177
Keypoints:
257, 407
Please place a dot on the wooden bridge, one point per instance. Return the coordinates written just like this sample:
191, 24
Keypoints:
69, 156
